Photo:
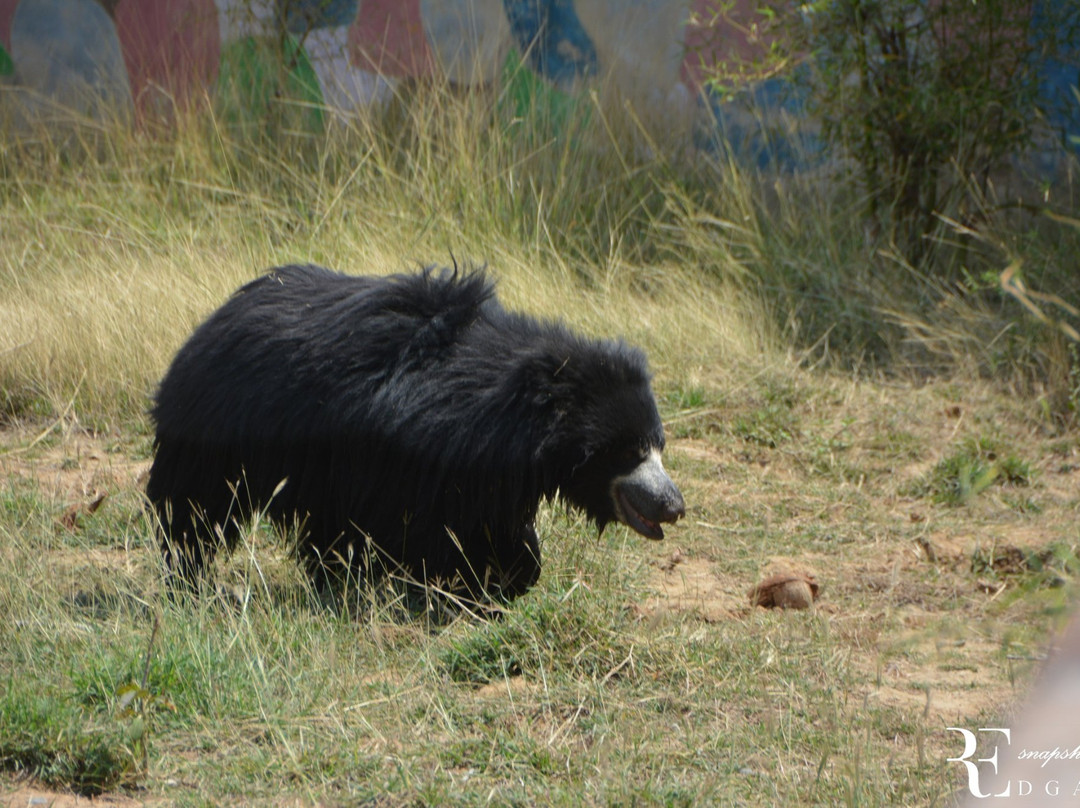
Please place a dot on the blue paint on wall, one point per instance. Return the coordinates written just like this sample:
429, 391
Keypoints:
550, 35
302, 16
68, 51
1059, 73
764, 125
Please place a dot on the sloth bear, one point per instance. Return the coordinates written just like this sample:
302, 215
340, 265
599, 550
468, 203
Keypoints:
407, 425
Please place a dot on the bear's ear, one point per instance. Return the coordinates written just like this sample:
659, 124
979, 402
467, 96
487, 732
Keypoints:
553, 394
545, 379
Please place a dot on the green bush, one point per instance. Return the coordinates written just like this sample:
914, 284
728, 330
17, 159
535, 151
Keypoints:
927, 99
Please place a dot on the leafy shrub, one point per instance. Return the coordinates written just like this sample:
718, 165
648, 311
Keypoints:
927, 99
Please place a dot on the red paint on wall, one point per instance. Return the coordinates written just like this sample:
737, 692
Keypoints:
388, 38
171, 50
7, 11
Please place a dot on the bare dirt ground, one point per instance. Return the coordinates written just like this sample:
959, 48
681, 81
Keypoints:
77, 468
29, 797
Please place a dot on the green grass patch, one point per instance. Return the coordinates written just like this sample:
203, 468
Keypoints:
972, 468
51, 738
593, 639
773, 420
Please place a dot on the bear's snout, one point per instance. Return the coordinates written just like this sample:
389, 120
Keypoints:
646, 498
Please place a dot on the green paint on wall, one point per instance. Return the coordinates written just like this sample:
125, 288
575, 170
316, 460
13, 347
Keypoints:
6, 65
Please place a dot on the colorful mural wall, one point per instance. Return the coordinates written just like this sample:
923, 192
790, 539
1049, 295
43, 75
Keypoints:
147, 57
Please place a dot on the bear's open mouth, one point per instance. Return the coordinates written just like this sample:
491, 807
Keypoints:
636, 520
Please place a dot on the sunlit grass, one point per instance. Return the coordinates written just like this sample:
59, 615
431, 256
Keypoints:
109, 262
634, 673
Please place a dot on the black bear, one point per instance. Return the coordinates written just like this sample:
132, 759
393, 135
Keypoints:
408, 419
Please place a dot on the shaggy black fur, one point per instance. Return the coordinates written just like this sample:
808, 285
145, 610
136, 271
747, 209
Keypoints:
410, 418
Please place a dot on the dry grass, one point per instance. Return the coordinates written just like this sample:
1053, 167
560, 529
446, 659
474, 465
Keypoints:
109, 263
635, 673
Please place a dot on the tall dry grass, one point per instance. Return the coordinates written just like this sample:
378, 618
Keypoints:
112, 250
110, 256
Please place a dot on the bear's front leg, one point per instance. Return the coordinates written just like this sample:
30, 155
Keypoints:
515, 566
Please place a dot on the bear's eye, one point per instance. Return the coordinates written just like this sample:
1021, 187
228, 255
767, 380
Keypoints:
629, 456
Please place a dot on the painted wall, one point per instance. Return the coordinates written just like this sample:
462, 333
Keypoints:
147, 58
